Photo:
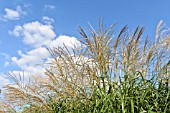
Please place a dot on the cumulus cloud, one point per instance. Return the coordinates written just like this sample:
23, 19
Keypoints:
13, 14
34, 33
70, 42
49, 6
31, 61
37, 34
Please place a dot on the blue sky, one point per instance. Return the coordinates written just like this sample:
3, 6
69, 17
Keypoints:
30, 26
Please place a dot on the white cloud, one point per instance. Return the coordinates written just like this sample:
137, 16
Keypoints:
16, 32
34, 33
47, 20
70, 42
32, 60
49, 6
31, 63
13, 14
37, 34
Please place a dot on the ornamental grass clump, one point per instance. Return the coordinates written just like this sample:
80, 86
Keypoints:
109, 72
